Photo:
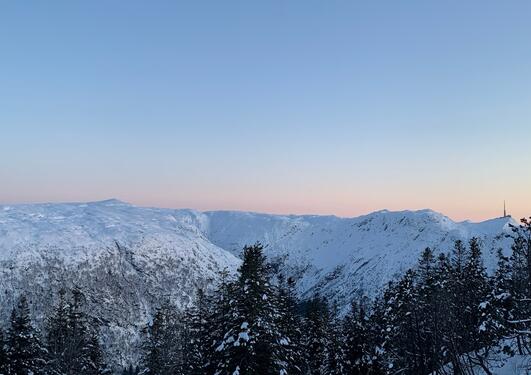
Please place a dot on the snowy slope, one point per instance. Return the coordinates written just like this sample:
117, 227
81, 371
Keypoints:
500, 363
129, 256
338, 256
126, 259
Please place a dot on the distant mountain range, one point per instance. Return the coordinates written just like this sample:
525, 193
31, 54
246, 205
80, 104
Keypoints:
128, 258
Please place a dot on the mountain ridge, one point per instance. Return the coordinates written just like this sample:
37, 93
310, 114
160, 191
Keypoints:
120, 202
130, 257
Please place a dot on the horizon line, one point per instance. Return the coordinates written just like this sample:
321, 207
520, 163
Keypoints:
124, 202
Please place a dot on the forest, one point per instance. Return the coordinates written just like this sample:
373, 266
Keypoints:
444, 316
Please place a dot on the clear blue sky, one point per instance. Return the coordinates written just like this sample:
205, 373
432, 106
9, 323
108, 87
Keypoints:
338, 107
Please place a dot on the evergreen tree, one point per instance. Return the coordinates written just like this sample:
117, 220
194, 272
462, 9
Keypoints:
3, 353
316, 323
401, 326
72, 343
335, 358
164, 343
357, 350
198, 335
521, 284
57, 331
25, 353
430, 298
252, 343
96, 361
220, 321
289, 325
476, 340
495, 314
455, 336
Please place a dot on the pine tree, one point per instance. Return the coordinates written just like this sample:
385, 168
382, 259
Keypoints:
96, 361
251, 344
400, 323
316, 323
76, 348
358, 346
72, 343
477, 290
473, 298
164, 343
458, 323
3, 353
57, 331
495, 314
220, 321
289, 325
198, 335
335, 358
25, 353
521, 284
429, 312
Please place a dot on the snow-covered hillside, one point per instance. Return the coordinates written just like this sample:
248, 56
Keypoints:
126, 258
339, 256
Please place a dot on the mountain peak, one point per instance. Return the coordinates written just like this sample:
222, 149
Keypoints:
111, 202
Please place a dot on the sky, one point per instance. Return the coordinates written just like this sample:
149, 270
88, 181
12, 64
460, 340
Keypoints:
303, 107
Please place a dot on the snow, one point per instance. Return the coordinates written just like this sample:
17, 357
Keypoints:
337, 255
244, 336
125, 254
327, 253
516, 365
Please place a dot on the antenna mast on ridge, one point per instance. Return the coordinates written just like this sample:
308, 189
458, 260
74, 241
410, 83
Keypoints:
504, 210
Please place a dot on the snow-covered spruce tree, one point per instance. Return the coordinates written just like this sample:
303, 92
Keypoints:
77, 333
521, 284
335, 344
219, 321
412, 320
444, 311
164, 343
198, 335
359, 346
430, 312
378, 337
478, 342
252, 343
72, 343
452, 300
495, 315
57, 332
3, 353
25, 352
97, 364
289, 325
457, 323
401, 322
396, 324
316, 325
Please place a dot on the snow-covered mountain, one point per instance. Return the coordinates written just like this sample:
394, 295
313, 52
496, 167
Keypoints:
339, 256
127, 258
